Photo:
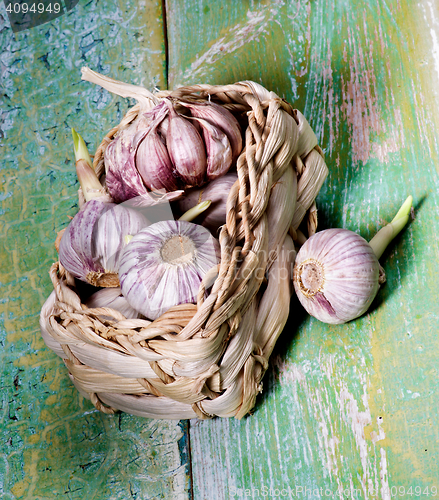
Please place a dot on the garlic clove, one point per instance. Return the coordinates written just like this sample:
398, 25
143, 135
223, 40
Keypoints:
123, 180
163, 129
163, 266
186, 148
219, 152
154, 164
221, 118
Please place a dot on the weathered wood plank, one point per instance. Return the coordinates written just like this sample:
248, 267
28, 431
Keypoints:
54, 444
346, 408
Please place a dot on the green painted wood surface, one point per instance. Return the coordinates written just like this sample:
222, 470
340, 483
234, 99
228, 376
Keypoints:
53, 443
347, 411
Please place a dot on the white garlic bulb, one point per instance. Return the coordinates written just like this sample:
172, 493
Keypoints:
163, 265
337, 274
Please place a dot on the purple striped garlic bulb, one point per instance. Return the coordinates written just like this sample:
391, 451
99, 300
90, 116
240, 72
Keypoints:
172, 144
337, 274
164, 264
91, 245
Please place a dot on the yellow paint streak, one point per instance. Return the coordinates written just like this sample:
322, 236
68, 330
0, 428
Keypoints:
33, 473
20, 488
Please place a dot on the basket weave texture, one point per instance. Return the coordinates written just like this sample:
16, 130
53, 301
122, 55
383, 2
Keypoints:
205, 359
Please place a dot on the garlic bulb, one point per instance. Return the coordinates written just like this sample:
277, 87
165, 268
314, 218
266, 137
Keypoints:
170, 145
91, 245
217, 192
337, 274
163, 265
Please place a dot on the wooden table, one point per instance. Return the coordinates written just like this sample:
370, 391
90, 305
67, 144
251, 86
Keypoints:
347, 411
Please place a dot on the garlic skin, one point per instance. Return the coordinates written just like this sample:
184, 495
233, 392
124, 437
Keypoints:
336, 275
91, 245
163, 265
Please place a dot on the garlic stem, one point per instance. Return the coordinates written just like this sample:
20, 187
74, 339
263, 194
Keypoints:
81, 151
386, 234
142, 95
195, 211
90, 184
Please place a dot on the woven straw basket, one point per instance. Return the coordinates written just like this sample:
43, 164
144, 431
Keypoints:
205, 359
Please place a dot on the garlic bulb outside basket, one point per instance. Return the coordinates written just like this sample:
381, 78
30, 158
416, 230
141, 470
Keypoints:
336, 275
164, 264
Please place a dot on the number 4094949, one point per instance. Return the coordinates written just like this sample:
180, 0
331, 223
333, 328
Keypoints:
33, 8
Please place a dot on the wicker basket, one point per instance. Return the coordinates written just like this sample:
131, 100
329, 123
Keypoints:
205, 359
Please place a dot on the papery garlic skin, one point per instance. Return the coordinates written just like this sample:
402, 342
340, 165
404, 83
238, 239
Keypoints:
336, 275
92, 242
219, 152
163, 265
122, 177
